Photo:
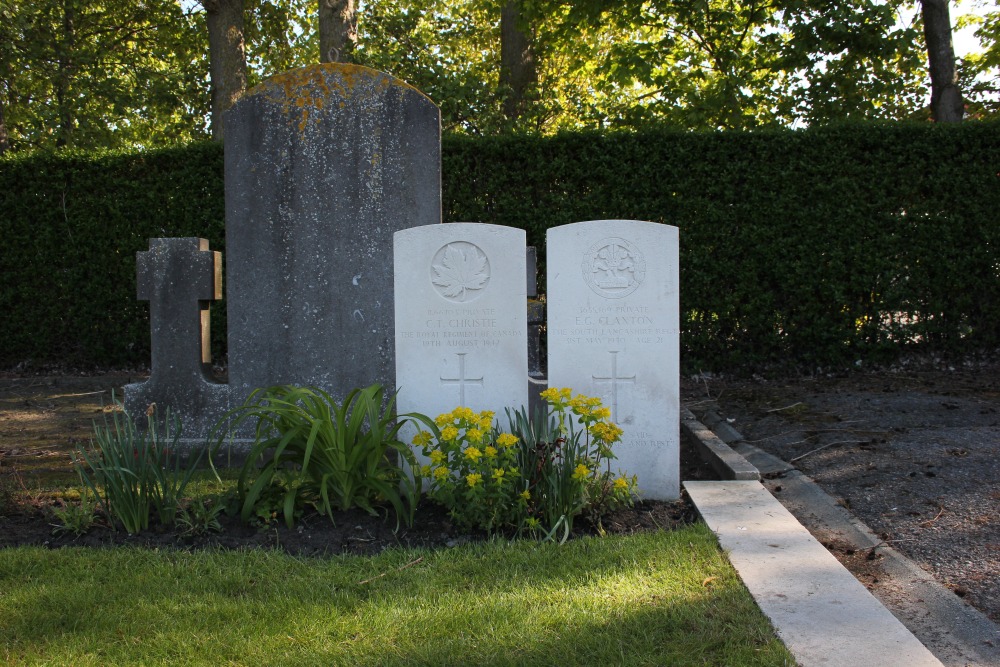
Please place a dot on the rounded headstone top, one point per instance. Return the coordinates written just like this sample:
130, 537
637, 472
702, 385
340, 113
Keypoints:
314, 84
310, 97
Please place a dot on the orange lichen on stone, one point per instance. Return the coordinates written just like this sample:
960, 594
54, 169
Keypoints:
310, 89
320, 80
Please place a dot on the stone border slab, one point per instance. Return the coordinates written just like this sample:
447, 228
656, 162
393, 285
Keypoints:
724, 460
958, 634
820, 611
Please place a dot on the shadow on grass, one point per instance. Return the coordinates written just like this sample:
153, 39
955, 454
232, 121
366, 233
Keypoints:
662, 598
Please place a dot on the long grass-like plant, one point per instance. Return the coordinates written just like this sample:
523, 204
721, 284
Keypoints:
565, 456
134, 472
547, 459
339, 456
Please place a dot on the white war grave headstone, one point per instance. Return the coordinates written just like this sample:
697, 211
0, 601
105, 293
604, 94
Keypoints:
614, 332
461, 321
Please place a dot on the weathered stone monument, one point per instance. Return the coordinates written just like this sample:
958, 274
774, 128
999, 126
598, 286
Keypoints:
322, 165
461, 318
180, 278
614, 332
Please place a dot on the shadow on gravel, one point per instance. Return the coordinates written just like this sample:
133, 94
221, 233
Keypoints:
913, 453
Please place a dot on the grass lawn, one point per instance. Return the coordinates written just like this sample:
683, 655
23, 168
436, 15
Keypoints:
666, 598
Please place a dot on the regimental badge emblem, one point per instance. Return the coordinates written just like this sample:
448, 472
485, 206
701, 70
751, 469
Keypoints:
460, 271
614, 268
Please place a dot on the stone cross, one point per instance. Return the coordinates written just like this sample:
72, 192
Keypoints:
614, 380
180, 278
461, 380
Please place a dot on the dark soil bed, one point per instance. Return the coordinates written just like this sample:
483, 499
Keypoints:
42, 418
353, 532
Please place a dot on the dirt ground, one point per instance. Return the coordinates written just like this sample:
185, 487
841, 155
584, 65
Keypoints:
912, 451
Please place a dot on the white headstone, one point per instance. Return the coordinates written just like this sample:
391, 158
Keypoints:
614, 332
461, 318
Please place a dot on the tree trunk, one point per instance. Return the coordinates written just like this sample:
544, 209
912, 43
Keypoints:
4, 139
518, 74
947, 105
65, 51
338, 30
227, 57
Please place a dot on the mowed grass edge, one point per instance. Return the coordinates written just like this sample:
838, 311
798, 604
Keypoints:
665, 598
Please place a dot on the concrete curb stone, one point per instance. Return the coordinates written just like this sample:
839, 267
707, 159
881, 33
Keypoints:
958, 634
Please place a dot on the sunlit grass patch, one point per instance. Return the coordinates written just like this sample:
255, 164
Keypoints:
660, 598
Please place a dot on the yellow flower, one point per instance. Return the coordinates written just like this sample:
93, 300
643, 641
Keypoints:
438, 457
473, 454
606, 431
621, 483
449, 433
581, 472
602, 413
444, 419
486, 416
485, 423
490, 452
507, 440
425, 471
565, 392
498, 474
473, 479
422, 438
526, 495
440, 472
474, 435
465, 413
550, 394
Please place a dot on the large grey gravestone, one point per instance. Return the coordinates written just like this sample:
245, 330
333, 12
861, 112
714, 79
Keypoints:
179, 278
461, 321
323, 164
614, 332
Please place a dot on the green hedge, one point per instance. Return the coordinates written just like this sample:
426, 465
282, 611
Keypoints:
800, 248
71, 224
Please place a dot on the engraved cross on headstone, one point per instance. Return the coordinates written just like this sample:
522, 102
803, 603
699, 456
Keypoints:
614, 380
179, 278
461, 380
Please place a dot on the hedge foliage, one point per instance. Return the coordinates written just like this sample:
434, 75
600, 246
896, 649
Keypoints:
71, 224
800, 248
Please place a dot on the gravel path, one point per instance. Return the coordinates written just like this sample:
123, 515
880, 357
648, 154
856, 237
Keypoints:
914, 454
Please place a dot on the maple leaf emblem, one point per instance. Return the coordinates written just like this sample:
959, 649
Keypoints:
460, 271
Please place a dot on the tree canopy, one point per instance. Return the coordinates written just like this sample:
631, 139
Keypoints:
119, 73
80, 73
